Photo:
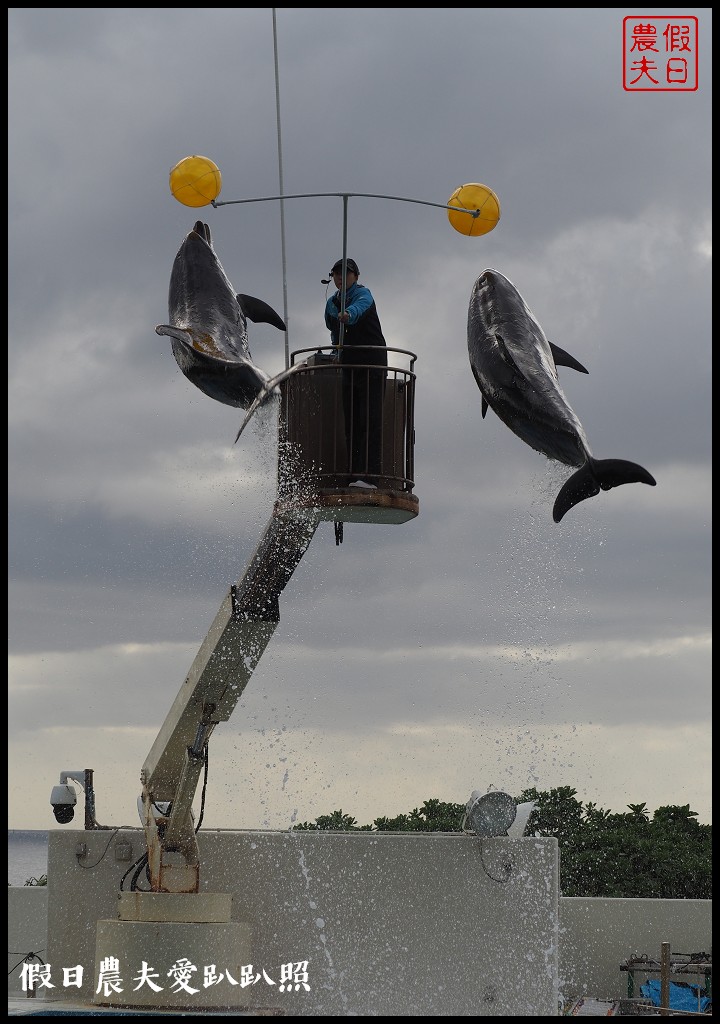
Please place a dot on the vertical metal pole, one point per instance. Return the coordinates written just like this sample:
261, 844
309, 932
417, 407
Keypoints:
282, 192
664, 978
343, 288
89, 799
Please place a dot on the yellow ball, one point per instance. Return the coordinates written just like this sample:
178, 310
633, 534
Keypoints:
195, 181
474, 197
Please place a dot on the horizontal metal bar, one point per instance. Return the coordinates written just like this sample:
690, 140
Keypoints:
344, 195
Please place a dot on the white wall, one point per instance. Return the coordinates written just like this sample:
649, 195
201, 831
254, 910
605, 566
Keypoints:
596, 935
405, 925
27, 929
396, 924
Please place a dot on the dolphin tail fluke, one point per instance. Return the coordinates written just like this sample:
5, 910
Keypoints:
595, 476
268, 391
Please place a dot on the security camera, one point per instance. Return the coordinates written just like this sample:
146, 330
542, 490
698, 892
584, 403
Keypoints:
63, 799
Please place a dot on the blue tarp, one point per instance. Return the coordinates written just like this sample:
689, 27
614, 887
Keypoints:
689, 998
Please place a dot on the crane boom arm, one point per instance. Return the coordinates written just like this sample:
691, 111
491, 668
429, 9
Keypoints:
228, 656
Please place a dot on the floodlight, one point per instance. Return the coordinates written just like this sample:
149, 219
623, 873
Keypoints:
490, 814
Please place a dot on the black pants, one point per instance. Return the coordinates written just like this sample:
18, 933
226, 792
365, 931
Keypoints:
363, 395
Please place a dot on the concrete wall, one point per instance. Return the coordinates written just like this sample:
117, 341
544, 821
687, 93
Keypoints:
27, 929
396, 924
597, 935
400, 929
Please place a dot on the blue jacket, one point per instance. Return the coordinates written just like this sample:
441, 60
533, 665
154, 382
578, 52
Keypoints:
363, 327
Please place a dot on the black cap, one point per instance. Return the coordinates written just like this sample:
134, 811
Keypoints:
351, 266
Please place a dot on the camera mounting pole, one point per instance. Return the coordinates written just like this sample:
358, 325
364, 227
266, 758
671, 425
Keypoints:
63, 797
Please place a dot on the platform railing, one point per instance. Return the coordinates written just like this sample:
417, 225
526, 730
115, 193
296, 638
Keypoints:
341, 423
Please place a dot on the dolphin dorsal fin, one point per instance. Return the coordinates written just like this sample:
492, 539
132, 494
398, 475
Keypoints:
563, 358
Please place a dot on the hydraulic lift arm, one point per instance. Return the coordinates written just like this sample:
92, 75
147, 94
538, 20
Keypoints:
217, 678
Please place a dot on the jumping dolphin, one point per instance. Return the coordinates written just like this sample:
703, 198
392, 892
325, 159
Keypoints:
514, 365
208, 324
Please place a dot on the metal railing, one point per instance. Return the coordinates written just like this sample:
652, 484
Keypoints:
341, 422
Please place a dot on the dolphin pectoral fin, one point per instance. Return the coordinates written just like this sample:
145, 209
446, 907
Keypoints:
268, 391
597, 475
506, 354
260, 312
484, 405
563, 358
174, 332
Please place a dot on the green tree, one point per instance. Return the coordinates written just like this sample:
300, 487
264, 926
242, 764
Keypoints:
668, 856
558, 814
335, 822
436, 816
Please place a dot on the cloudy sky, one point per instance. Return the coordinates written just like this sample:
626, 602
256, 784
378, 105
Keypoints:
481, 644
